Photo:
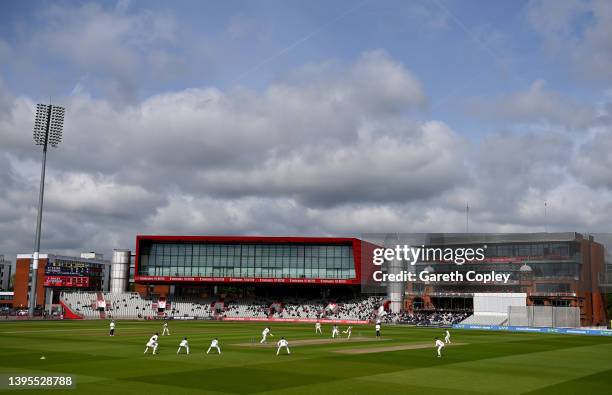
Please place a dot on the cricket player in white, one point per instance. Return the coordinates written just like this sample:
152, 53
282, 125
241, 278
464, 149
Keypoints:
348, 331
335, 331
377, 327
264, 335
184, 343
447, 337
318, 328
214, 344
440, 346
112, 328
283, 343
152, 343
166, 331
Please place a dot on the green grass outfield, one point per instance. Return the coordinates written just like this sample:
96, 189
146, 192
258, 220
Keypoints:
488, 362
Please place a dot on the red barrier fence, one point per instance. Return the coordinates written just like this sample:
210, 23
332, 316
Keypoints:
302, 320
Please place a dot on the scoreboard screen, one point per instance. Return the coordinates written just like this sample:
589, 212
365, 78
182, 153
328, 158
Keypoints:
73, 274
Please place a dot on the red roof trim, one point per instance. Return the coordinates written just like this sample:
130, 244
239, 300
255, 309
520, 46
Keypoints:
251, 239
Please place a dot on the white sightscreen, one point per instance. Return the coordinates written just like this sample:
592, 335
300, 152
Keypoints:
544, 316
497, 303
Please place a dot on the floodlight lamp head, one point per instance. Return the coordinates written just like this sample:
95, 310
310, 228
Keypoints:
48, 124
56, 125
40, 123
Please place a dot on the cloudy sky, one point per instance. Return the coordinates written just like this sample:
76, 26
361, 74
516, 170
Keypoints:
305, 118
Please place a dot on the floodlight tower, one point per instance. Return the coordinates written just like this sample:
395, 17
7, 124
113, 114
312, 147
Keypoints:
48, 127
